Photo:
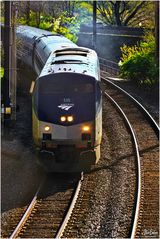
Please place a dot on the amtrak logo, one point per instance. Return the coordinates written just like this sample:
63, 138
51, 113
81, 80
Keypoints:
65, 106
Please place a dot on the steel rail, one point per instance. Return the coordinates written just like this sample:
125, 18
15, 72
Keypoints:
139, 105
26, 214
70, 210
139, 178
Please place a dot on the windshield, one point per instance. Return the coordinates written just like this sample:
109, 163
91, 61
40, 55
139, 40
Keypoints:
62, 87
53, 92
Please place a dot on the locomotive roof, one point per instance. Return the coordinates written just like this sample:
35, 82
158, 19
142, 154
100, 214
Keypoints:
76, 59
33, 31
65, 55
49, 41
33, 34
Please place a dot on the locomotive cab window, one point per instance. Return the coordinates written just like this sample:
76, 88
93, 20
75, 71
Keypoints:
62, 88
51, 92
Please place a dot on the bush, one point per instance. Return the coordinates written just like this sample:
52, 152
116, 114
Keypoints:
67, 26
46, 26
64, 25
138, 62
1, 71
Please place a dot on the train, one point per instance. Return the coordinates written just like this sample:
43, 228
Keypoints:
66, 100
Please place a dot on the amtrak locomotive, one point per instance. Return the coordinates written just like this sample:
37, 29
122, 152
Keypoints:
66, 102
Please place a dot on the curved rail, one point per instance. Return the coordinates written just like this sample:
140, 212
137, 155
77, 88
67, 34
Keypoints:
68, 215
139, 105
139, 187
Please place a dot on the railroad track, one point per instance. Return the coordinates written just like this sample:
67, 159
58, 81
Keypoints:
55, 216
50, 209
145, 132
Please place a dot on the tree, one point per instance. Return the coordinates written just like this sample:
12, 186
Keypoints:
157, 30
24, 10
125, 13
38, 8
28, 12
53, 9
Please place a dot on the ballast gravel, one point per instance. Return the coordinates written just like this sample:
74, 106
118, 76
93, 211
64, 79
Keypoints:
110, 212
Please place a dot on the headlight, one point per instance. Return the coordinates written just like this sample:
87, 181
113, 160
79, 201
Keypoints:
63, 118
46, 128
86, 128
70, 118
66, 118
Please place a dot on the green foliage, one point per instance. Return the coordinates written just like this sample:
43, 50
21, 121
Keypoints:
1, 72
64, 25
86, 9
138, 62
22, 21
123, 13
45, 25
67, 26
32, 21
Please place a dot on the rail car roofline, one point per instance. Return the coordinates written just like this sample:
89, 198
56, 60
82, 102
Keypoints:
53, 75
47, 35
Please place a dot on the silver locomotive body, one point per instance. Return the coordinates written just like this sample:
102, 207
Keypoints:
67, 110
66, 101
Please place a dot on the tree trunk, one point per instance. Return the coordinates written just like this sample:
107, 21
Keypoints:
38, 15
117, 13
28, 13
157, 30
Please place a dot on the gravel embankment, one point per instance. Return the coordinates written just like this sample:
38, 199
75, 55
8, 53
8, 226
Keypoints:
148, 97
110, 208
20, 174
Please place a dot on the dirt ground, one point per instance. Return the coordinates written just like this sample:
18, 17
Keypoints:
20, 174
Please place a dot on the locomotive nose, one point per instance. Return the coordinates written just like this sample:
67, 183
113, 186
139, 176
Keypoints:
79, 135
